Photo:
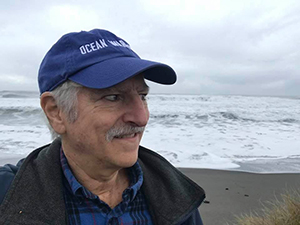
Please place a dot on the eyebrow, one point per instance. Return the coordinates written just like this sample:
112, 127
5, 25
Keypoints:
145, 87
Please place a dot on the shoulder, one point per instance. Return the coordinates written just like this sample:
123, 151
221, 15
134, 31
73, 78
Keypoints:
7, 174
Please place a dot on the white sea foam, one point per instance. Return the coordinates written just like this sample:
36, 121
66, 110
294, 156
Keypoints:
218, 132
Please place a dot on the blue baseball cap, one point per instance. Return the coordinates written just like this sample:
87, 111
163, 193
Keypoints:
97, 59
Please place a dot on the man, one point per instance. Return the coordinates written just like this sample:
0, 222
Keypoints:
93, 94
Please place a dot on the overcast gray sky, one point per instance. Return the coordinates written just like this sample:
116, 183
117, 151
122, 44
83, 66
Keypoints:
248, 47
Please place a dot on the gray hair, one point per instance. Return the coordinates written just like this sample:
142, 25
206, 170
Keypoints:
65, 96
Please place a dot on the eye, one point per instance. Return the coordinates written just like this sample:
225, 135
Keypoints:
144, 97
112, 98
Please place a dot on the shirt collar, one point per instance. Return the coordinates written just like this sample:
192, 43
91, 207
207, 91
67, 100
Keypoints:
135, 175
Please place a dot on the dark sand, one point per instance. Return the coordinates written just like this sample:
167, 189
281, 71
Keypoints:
229, 193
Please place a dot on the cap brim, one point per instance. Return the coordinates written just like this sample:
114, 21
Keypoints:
113, 71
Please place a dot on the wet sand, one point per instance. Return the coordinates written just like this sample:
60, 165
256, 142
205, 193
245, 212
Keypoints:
231, 193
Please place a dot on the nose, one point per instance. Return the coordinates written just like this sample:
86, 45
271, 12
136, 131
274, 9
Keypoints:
137, 112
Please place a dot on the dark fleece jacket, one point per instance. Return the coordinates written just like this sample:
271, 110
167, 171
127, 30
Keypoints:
35, 196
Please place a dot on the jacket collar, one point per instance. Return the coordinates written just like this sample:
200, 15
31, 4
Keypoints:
40, 176
172, 196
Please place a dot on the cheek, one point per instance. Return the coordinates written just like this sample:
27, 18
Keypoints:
148, 113
88, 138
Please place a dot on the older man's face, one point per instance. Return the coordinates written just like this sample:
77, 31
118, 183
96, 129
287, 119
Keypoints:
110, 124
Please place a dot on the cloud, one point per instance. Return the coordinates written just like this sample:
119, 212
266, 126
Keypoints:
216, 47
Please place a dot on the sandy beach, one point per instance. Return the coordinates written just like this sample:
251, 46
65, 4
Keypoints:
231, 193
228, 193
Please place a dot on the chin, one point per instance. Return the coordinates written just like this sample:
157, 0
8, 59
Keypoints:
128, 165
128, 160
126, 154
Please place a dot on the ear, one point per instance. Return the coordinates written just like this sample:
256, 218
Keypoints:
52, 112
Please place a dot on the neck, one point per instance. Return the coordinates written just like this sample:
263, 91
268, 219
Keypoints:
107, 184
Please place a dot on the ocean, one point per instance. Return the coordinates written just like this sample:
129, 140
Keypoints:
260, 134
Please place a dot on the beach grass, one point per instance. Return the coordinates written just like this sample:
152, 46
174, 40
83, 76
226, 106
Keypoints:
285, 211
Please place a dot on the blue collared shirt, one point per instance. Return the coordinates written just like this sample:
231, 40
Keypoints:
85, 208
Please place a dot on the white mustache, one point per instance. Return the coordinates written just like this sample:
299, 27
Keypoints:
122, 131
